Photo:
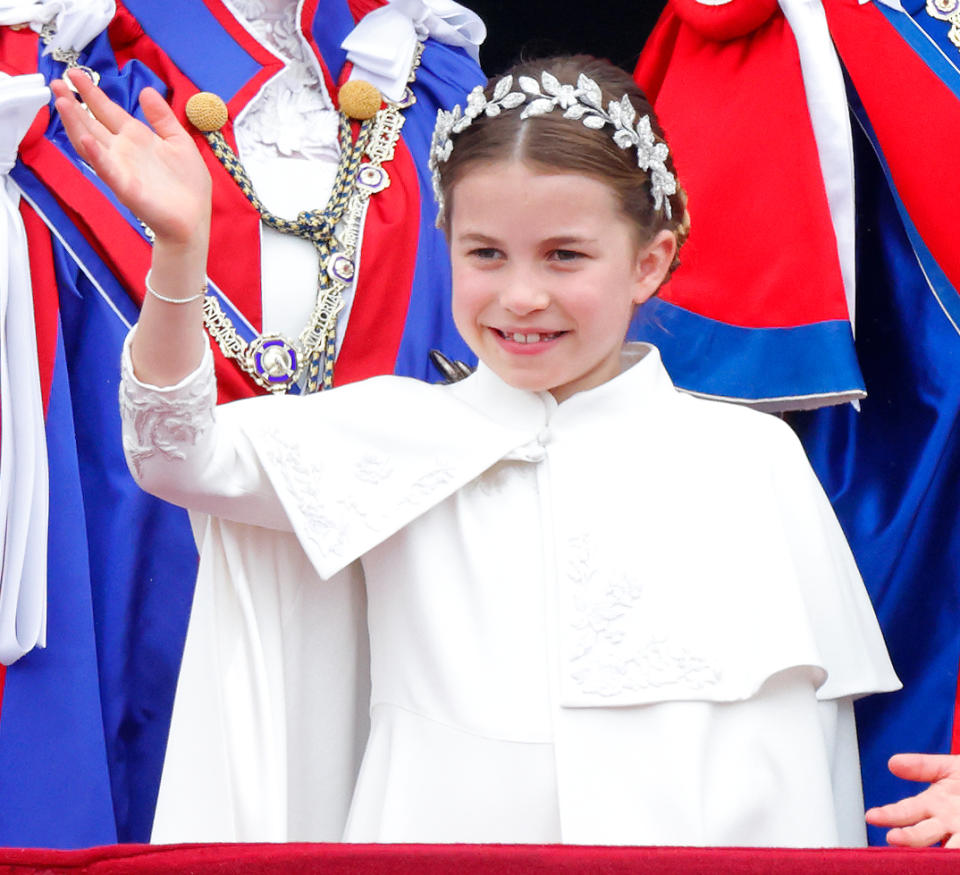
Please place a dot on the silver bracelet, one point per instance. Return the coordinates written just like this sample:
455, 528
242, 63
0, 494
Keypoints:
167, 300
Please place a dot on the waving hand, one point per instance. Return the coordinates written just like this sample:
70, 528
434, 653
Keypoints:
157, 172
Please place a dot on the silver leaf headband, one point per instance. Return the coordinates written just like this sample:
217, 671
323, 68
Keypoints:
583, 102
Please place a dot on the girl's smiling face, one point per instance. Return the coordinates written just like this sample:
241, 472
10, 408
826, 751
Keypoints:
547, 271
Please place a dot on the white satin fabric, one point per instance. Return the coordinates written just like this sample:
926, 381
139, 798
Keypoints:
382, 44
23, 447
630, 618
76, 21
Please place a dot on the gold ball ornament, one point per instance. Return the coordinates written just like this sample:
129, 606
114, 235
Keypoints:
206, 111
359, 99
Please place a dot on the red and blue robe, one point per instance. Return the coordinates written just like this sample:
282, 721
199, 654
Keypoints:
84, 721
756, 311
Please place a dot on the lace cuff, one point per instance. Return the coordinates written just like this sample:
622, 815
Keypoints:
165, 421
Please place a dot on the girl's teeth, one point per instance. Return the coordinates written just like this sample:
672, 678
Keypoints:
517, 337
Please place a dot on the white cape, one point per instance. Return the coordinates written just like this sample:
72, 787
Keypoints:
663, 648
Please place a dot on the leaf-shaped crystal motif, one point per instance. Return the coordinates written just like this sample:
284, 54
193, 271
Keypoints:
502, 88
475, 102
528, 84
627, 113
513, 100
594, 122
551, 84
444, 121
590, 92
541, 106
575, 112
645, 130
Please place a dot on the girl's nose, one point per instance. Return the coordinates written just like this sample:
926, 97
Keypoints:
521, 294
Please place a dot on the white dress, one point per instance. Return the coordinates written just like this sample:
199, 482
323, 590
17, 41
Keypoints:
630, 618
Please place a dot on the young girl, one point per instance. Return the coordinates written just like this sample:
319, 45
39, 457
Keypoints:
599, 611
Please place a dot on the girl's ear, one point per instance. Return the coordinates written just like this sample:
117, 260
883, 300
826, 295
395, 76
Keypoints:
653, 265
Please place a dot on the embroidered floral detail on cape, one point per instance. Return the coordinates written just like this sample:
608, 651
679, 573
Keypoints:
614, 647
369, 494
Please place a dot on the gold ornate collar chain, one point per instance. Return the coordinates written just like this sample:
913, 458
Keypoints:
273, 361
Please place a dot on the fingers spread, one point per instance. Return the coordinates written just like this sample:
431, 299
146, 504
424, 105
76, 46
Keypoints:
930, 816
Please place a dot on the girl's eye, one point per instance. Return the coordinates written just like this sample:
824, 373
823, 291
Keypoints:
565, 255
486, 253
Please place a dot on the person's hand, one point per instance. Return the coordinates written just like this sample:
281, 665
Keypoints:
158, 173
931, 816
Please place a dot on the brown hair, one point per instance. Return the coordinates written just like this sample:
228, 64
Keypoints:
553, 142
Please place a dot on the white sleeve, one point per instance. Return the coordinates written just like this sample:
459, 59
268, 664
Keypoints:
177, 450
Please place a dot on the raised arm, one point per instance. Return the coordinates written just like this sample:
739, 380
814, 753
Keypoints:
158, 174
931, 816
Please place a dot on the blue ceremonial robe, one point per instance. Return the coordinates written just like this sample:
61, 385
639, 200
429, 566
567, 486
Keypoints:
889, 469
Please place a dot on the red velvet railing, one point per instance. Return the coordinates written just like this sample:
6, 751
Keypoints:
300, 859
